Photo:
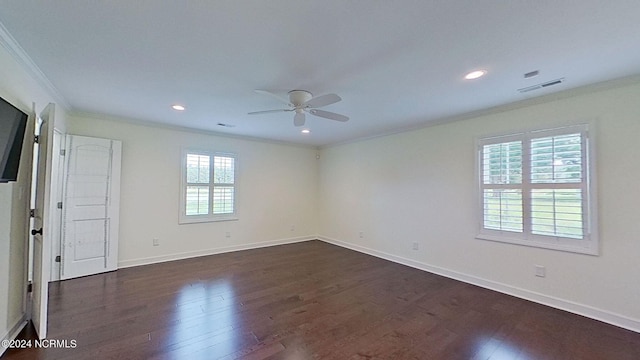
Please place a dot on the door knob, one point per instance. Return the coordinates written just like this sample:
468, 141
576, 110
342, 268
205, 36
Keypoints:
34, 232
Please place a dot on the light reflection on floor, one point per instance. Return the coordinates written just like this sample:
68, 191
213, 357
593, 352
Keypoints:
494, 349
205, 318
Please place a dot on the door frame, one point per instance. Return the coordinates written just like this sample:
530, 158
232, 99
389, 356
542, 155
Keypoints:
57, 188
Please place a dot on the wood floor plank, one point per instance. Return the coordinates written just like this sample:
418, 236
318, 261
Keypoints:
308, 300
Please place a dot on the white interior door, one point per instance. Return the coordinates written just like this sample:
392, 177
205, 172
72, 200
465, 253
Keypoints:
41, 236
90, 206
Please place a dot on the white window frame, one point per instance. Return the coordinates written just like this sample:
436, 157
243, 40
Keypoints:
210, 217
589, 244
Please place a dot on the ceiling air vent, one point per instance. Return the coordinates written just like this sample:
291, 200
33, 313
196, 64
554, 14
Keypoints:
542, 85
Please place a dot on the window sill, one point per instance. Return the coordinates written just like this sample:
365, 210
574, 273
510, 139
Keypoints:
543, 245
196, 220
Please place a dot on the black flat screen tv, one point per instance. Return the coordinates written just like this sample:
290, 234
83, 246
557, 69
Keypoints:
13, 123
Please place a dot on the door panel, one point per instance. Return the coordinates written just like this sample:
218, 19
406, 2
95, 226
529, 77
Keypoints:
90, 206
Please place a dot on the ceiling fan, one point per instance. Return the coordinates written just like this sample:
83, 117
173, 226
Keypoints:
302, 102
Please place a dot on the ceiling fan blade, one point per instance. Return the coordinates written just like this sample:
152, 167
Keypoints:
269, 111
322, 100
298, 120
275, 96
329, 115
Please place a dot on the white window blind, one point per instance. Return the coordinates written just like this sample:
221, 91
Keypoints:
535, 189
223, 186
557, 178
502, 191
208, 191
198, 170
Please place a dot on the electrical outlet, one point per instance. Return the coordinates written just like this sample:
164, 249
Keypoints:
361, 234
293, 228
227, 234
416, 246
540, 271
156, 242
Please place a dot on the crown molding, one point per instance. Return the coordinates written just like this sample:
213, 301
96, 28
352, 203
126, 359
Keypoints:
519, 104
22, 58
79, 115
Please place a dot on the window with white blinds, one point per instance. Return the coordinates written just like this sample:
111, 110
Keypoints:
208, 190
535, 189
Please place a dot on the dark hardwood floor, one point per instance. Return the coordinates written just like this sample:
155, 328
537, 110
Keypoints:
309, 300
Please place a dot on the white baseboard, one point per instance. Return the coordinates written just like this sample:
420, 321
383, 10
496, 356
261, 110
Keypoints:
212, 251
12, 333
566, 305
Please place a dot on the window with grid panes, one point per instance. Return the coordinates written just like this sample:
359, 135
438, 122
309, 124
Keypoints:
535, 189
208, 189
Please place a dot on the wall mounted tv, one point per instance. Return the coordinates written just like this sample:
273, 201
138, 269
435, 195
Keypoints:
13, 123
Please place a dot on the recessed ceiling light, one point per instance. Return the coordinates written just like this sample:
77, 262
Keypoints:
178, 107
306, 131
475, 74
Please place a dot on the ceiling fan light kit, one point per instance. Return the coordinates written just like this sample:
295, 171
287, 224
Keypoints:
299, 97
302, 102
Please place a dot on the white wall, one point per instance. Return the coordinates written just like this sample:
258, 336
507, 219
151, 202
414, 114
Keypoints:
276, 189
419, 186
19, 87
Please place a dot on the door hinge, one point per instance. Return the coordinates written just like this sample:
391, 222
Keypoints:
60, 205
36, 139
58, 258
63, 152
29, 287
32, 213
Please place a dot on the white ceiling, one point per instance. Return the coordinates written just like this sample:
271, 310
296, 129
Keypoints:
396, 64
